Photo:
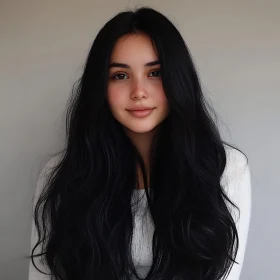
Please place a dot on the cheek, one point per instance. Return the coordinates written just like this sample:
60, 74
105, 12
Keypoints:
162, 100
161, 97
115, 96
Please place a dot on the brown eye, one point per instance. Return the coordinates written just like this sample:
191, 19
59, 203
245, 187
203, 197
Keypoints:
155, 74
119, 77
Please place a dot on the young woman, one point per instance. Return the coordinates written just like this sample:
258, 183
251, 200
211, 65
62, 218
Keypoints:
145, 187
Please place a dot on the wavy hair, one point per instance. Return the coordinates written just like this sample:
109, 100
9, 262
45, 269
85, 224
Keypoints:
84, 217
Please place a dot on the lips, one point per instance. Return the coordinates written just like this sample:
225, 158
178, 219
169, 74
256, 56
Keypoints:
141, 113
140, 108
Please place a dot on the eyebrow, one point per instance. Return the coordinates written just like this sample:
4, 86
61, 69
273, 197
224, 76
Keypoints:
122, 65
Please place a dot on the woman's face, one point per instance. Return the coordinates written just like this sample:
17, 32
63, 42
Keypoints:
135, 82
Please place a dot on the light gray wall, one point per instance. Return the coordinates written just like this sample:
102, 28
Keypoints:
235, 45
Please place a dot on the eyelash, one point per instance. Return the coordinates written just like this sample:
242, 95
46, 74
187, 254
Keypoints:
115, 75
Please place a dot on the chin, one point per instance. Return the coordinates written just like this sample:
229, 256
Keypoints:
140, 130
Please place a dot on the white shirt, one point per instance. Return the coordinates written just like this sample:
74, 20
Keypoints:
235, 180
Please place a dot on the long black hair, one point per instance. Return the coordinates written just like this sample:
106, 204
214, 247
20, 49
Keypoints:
84, 217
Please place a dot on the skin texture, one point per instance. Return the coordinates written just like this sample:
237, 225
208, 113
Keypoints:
136, 85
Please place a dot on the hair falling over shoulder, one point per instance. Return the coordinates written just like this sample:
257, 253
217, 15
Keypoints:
83, 215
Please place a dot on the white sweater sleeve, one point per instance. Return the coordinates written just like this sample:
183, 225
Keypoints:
34, 274
238, 184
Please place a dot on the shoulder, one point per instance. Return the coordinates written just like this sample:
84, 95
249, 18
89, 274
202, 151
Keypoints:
236, 160
41, 181
236, 179
236, 182
237, 166
44, 174
50, 164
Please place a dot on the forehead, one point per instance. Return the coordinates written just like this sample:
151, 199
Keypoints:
133, 48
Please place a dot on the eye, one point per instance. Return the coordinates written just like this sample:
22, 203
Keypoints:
155, 73
119, 76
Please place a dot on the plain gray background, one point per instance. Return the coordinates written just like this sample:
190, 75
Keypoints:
235, 45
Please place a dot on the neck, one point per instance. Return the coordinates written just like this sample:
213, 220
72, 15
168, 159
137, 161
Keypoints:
143, 143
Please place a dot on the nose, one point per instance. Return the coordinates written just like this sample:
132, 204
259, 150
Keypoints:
138, 91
